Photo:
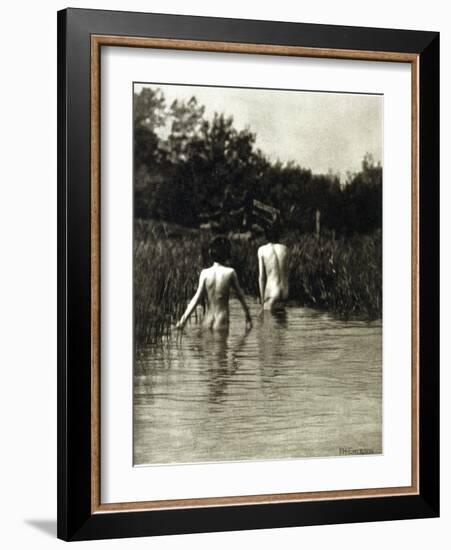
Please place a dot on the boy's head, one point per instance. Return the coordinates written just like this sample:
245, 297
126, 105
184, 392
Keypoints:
220, 249
272, 232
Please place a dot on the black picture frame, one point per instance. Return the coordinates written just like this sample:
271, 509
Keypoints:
76, 521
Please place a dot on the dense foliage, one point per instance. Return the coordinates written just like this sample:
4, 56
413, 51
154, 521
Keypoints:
187, 167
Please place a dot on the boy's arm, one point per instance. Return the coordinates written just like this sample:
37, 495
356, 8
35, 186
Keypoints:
240, 296
193, 303
261, 277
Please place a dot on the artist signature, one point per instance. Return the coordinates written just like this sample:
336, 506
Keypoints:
359, 451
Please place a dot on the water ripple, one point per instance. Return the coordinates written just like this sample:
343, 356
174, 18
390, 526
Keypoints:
302, 385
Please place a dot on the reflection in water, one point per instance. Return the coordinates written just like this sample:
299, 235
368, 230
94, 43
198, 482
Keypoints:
299, 384
271, 337
221, 356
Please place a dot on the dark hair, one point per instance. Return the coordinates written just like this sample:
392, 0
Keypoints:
219, 249
272, 232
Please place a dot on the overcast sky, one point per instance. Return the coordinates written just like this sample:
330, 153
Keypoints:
321, 131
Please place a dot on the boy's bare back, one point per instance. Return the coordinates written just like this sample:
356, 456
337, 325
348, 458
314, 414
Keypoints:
215, 283
273, 275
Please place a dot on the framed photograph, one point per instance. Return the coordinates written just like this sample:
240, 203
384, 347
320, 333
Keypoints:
248, 274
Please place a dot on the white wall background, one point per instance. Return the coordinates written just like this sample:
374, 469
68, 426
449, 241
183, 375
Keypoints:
28, 271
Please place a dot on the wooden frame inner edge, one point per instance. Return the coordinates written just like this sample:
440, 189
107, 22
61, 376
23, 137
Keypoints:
106, 40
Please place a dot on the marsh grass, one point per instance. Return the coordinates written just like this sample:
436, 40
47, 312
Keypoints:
342, 276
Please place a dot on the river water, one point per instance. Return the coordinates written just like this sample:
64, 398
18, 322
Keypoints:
303, 384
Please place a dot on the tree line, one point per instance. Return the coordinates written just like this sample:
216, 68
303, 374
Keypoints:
187, 169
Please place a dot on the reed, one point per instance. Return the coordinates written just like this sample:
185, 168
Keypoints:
342, 276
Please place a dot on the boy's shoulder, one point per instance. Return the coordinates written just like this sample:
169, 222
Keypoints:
270, 246
227, 271
210, 270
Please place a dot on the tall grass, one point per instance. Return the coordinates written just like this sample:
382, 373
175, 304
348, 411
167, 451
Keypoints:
166, 272
341, 276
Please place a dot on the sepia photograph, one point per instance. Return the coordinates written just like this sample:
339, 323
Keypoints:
257, 274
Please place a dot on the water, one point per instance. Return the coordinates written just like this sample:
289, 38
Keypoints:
300, 385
